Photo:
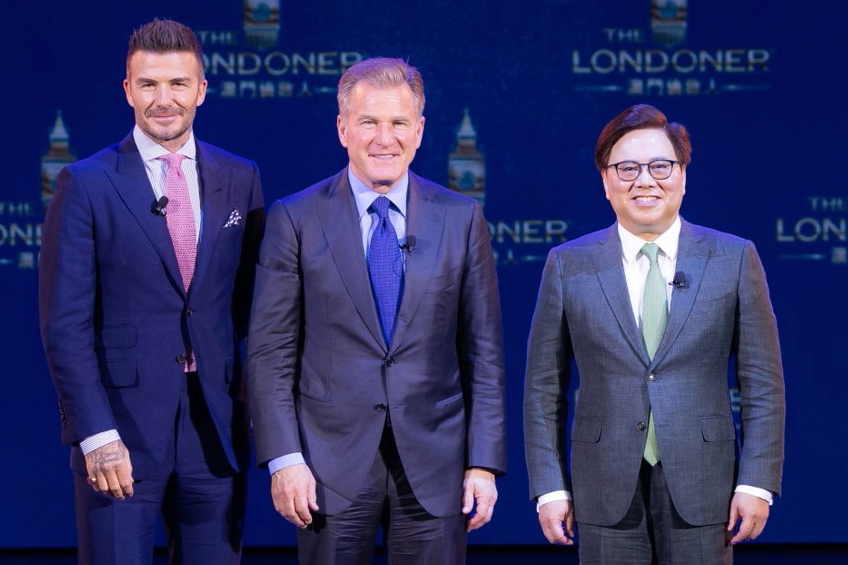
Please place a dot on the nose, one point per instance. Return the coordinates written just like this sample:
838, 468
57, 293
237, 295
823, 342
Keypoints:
644, 178
163, 95
383, 135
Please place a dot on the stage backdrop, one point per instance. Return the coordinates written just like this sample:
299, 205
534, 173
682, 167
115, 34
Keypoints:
517, 92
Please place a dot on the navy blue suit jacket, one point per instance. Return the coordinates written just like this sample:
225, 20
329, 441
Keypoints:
113, 312
320, 375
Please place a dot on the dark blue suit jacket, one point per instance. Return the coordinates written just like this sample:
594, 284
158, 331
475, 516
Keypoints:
320, 375
114, 315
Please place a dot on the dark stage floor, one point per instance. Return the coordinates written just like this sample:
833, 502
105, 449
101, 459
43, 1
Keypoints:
800, 554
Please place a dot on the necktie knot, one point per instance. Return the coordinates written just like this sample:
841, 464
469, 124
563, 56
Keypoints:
381, 207
651, 251
172, 159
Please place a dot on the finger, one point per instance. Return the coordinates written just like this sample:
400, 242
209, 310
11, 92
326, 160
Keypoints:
93, 483
744, 532
114, 485
125, 479
759, 525
301, 508
480, 518
289, 512
554, 533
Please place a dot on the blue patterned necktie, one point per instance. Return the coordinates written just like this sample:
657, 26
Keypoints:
385, 265
654, 316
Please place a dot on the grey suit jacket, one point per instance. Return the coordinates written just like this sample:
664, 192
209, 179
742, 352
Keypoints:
584, 315
321, 379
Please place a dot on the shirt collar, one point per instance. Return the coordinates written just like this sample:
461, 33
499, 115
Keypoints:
631, 244
364, 196
150, 150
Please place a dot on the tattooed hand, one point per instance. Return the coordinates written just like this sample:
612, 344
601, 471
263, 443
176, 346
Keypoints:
110, 470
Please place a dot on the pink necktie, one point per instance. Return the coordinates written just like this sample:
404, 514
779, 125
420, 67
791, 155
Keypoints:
180, 218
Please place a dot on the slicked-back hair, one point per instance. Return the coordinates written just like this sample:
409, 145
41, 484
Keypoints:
641, 116
165, 36
381, 72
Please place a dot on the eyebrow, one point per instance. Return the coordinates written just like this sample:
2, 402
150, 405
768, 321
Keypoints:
392, 119
145, 80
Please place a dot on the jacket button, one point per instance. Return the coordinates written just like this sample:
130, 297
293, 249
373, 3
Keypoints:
181, 358
189, 312
651, 378
380, 408
641, 426
390, 361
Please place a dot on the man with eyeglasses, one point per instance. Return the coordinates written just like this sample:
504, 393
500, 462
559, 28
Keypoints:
653, 310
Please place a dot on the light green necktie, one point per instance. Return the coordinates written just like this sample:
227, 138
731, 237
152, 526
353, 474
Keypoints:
654, 315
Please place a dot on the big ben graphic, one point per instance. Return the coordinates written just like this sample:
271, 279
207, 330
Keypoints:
57, 156
466, 165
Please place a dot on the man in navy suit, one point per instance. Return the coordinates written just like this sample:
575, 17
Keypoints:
147, 266
652, 310
372, 406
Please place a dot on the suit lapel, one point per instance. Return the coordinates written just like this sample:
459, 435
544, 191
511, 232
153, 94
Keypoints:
340, 224
693, 253
214, 206
425, 220
131, 182
608, 264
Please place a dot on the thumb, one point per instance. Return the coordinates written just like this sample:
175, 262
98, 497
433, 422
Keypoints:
467, 497
734, 516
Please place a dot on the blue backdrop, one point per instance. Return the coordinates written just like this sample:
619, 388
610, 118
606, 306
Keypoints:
761, 87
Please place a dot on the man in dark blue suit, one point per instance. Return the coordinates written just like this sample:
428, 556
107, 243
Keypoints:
377, 394
147, 265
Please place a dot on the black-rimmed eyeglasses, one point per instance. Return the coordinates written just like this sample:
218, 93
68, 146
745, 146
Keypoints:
628, 171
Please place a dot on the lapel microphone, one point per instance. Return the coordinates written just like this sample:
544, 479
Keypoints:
158, 206
679, 280
408, 244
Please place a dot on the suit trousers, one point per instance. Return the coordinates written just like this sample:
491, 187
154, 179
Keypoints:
412, 536
200, 498
653, 533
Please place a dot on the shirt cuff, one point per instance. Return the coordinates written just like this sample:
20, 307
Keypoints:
758, 492
91, 443
552, 497
278, 463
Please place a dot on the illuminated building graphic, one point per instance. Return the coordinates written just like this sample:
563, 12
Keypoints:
466, 165
668, 22
261, 22
57, 156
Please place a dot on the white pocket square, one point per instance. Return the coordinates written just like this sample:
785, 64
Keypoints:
234, 219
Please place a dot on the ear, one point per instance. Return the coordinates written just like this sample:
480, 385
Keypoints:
419, 132
341, 127
683, 179
605, 180
201, 92
128, 93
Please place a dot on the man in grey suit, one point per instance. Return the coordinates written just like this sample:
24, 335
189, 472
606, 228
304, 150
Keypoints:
652, 310
375, 357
